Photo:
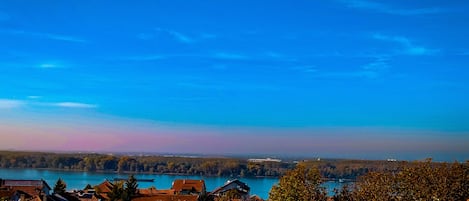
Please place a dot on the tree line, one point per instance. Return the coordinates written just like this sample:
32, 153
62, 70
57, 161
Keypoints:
229, 167
330, 169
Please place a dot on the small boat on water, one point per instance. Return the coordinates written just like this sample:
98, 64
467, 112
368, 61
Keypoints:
141, 180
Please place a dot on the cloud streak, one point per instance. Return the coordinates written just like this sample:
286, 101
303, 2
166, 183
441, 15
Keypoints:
371, 70
182, 38
74, 105
50, 36
10, 104
384, 8
13, 103
409, 48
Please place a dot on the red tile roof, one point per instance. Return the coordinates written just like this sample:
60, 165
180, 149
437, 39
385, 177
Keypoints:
167, 198
104, 187
30, 187
153, 191
181, 185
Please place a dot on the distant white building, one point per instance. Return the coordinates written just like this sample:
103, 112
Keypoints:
260, 160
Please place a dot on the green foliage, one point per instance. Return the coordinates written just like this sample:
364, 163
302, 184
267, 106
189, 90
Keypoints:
299, 184
60, 187
124, 191
117, 191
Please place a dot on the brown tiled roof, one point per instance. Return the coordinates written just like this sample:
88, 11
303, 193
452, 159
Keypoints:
104, 187
188, 185
167, 198
153, 191
28, 186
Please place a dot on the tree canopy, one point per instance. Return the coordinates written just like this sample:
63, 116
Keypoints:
299, 184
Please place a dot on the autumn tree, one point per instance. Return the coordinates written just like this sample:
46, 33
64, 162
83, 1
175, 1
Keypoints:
60, 187
299, 184
416, 181
344, 194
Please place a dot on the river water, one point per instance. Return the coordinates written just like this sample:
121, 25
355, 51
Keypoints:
78, 180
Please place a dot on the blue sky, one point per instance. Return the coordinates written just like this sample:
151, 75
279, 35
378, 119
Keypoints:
304, 68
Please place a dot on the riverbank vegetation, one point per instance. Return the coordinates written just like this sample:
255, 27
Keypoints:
231, 167
329, 169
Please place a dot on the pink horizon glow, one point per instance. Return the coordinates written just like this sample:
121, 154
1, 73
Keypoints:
127, 136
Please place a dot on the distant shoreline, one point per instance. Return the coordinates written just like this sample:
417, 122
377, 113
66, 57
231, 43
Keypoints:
130, 172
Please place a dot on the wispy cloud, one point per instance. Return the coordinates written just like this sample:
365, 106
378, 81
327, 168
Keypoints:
183, 38
371, 70
379, 64
33, 101
50, 36
49, 65
10, 103
178, 36
74, 105
388, 9
408, 46
34, 97
229, 56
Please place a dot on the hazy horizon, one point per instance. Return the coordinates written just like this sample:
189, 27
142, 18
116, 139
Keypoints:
344, 79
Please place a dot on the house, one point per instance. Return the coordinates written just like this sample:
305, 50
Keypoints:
153, 191
188, 187
152, 194
24, 189
234, 189
168, 198
103, 189
31, 187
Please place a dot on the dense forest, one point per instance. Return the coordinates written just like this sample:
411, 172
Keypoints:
231, 167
